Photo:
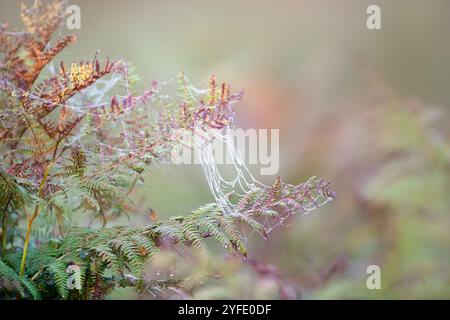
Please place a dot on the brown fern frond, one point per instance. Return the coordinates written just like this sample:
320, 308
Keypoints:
42, 59
41, 20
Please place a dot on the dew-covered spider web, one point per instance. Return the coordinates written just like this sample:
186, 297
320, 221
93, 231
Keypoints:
142, 126
229, 192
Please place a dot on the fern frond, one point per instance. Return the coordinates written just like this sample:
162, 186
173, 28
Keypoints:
7, 273
60, 276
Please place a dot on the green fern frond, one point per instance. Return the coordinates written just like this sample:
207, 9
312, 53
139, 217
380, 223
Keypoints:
60, 276
7, 273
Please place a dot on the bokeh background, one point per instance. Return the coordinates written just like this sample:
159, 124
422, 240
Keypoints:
367, 109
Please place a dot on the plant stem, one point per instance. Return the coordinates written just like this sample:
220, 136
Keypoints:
102, 213
29, 224
133, 184
36, 211
25, 248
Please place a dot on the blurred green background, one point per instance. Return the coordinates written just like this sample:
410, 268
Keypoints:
367, 109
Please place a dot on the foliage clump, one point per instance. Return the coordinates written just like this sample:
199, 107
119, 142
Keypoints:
63, 156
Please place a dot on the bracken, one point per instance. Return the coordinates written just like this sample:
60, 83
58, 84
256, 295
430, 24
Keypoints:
61, 156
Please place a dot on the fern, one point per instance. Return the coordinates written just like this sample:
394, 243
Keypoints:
58, 271
64, 159
20, 283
